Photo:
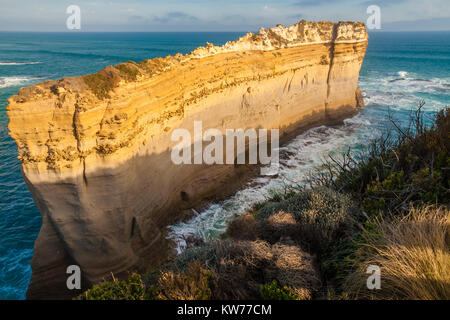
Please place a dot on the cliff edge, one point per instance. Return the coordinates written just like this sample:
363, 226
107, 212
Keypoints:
95, 150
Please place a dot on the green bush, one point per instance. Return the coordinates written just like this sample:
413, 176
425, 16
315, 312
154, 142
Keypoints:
129, 71
273, 291
205, 254
346, 255
100, 84
403, 167
131, 289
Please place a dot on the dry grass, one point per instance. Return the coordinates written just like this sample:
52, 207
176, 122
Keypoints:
194, 284
414, 255
245, 265
245, 227
295, 269
240, 269
278, 227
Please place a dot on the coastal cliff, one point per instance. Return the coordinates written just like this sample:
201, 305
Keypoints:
95, 150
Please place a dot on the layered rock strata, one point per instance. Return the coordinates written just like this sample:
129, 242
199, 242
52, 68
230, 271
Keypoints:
95, 150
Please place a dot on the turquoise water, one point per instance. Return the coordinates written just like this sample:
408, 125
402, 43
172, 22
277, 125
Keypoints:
399, 70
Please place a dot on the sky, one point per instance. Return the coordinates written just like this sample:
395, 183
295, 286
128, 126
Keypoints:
225, 15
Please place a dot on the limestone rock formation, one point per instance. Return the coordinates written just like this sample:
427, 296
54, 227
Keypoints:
95, 150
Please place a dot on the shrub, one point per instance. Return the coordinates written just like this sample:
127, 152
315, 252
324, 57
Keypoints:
129, 71
244, 227
206, 255
343, 257
278, 227
240, 268
405, 166
194, 284
413, 253
295, 268
322, 215
131, 289
102, 82
273, 291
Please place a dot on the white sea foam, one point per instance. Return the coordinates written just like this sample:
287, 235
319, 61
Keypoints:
297, 159
14, 63
15, 81
404, 93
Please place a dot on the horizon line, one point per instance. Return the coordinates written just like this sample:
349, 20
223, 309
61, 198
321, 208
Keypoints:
182, 31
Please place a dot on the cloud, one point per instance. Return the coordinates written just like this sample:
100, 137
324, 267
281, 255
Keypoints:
297, 16
175, 16
383, 3
138, 18
311, 3
435, 24
234, 18
170, 18
268, 9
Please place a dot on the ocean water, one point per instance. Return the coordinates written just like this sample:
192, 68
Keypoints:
399, 70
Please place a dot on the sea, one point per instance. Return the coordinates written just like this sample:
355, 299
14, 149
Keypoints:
400, 70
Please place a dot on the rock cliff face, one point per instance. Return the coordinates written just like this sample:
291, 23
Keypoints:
95, 150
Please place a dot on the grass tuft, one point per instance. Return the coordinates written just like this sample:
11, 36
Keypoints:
414, 255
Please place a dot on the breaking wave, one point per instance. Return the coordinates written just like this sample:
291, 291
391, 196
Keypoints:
14, 63
16, 81
402, 93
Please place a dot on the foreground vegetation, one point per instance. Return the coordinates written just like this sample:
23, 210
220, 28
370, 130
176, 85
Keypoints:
390, 209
